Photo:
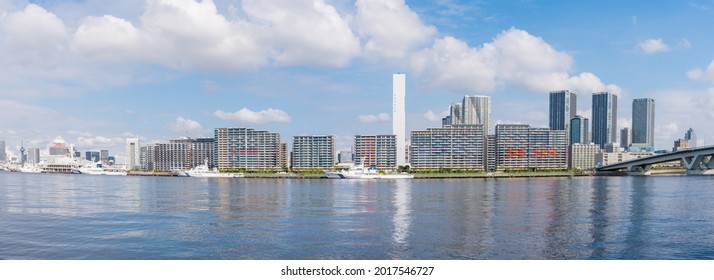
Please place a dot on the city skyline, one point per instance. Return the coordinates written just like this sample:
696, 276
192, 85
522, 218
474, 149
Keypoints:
62, 74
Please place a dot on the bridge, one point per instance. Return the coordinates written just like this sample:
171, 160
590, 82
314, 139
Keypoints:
698, 161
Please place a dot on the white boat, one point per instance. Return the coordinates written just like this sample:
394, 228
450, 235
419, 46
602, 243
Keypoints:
96, 168
361, 172
30, 169
202, 171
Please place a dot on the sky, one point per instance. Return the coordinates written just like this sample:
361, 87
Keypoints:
95, 72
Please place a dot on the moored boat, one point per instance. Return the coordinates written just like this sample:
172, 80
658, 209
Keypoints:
96, 168
202, 171
359, 171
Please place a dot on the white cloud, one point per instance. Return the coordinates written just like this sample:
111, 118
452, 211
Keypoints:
683, 109
94, 142
32, 37
381, 117
669, 131
180, 34
390, 28
651, 46
245, 115
182, 124
432, 117
302, 32
513, 57
190, 35
702, 74
107, 38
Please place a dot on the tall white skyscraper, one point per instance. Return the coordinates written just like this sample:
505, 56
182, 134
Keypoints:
477, 110
133, 154
399, 90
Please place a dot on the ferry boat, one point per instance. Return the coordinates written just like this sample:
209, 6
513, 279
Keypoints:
96, 168
202, 171
361, 172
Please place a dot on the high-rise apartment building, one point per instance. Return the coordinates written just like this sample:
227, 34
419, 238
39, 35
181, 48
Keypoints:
201, 151
455, 114
458, 147
691, 138
643, 121
104, 156
247, 149
476, 110
284, 159
345, 157
604, 118
33, 155
491, 153
579, 130
563, 106
399, 89
91, 156
625, 137
680, 144
582, 156
169, 156
313, 152
378, 151
518, 146
133, 155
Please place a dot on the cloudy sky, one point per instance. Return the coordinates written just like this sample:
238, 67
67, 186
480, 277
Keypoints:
95, 72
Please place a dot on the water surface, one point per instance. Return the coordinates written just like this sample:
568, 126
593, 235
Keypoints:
51, 216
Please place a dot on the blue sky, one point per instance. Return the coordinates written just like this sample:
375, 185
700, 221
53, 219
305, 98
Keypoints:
96, 72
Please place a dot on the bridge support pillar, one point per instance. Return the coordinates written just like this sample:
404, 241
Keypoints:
693, 162
699, 165
639, 170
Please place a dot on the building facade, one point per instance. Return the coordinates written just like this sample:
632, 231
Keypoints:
579, 130
170, 156
133, 155
582, 156
247, 149
491, 152
92, 156
202, 151
625, 138
643, 121
457, 147
455, 114
399, 129
313, 152
680, 144
604, 118
563, 106
104, 156
691, 137
345, 157
476, 110
520, 147
606, 158
284, 158
378, 151
33, 155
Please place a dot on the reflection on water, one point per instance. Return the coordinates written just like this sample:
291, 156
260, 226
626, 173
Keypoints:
45, 216
402, 220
